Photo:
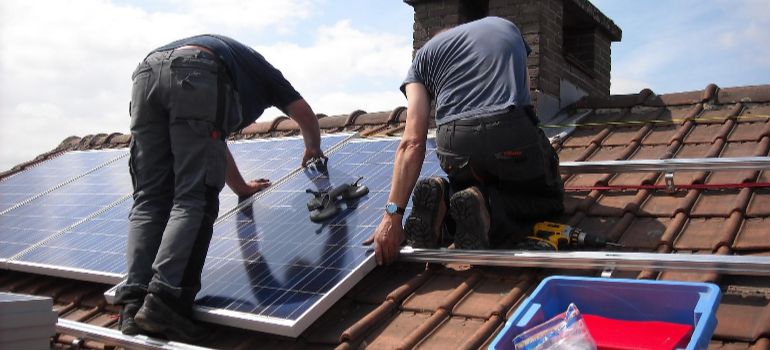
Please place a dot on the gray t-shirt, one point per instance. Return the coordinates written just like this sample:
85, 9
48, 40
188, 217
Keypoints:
474, 70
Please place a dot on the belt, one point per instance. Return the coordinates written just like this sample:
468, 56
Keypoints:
511, 114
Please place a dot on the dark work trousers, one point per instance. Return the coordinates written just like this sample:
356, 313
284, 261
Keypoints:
511, 160
180, 103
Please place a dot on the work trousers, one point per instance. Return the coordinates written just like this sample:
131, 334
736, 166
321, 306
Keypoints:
512, 162
180, 103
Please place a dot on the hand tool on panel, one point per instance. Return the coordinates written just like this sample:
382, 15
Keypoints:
323, 205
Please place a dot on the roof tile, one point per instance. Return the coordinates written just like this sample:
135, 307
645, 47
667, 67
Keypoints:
743, 318
435, 292
582, 136
391, 334
759, 204
757, 93
718, 114
753, 235
451, 333
747, 131
707, 233
644, 233
675, 99
720, 202
491, 295
663, 204
660, 135
615, 203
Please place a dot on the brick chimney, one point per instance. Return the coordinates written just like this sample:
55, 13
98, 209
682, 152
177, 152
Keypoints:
570, 41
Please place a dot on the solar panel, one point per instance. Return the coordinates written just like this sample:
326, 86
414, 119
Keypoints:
269, 159
28, 224
25, 185
94, 250
269, 268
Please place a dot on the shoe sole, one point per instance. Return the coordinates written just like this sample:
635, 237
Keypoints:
465, 208
426, 202
131, 329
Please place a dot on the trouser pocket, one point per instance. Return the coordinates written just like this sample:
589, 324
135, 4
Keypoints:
194, 92
518, 153
213, 150
457, 167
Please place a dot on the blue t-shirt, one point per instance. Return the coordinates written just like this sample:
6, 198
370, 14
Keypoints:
259, 84
474, 70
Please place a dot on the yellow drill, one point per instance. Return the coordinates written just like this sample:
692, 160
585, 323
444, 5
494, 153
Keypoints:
555, 236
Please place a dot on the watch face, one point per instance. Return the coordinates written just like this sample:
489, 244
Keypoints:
391, 208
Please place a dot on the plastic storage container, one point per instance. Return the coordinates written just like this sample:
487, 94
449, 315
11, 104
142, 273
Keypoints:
689, 303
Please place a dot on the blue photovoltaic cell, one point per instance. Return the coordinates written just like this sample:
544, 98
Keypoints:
270, 260
99, 244
269, 159
48, 174
43, 217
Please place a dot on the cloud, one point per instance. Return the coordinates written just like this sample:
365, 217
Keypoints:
340, 57
66, 65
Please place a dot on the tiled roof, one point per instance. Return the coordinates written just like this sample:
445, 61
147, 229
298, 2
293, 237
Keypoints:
437, 307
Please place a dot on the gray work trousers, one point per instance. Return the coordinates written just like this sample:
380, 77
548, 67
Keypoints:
512, 162
180, 103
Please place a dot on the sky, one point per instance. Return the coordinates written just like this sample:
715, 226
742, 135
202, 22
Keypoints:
65, 65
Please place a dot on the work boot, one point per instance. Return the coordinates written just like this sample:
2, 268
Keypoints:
156, 317
469, 211
126, 320
425, 223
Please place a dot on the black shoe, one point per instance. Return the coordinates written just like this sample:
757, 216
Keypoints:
425, 223
156, 317
469, 211
126, 321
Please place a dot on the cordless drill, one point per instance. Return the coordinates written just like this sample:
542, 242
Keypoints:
555, 236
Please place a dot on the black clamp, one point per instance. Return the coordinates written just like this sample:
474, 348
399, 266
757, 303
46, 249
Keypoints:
323, 205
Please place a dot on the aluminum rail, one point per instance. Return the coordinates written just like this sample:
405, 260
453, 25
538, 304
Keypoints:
113, 337
725, 264
665, 165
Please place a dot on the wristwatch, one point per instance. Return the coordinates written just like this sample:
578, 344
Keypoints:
393, 208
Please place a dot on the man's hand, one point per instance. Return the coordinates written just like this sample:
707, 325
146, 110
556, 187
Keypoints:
311, 154
387, 239
251, 187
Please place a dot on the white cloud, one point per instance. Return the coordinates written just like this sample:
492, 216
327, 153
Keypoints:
66, 65
341, 56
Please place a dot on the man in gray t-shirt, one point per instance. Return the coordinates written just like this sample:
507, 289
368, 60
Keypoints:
503, 173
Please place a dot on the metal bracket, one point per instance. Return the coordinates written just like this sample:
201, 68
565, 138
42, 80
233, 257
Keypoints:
669, 176
608, 271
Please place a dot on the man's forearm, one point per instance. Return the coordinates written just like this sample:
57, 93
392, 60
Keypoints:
406, 170
300, 112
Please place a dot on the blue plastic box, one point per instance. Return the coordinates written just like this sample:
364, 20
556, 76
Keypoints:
624, 299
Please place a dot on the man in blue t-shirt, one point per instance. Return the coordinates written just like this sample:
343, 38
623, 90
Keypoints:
503, 173
187, 97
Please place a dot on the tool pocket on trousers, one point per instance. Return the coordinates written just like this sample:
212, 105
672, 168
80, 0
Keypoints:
214, 153
194, 94
522, 163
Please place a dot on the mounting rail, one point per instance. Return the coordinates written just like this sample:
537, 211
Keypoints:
113, 337
665, 165
724, 264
